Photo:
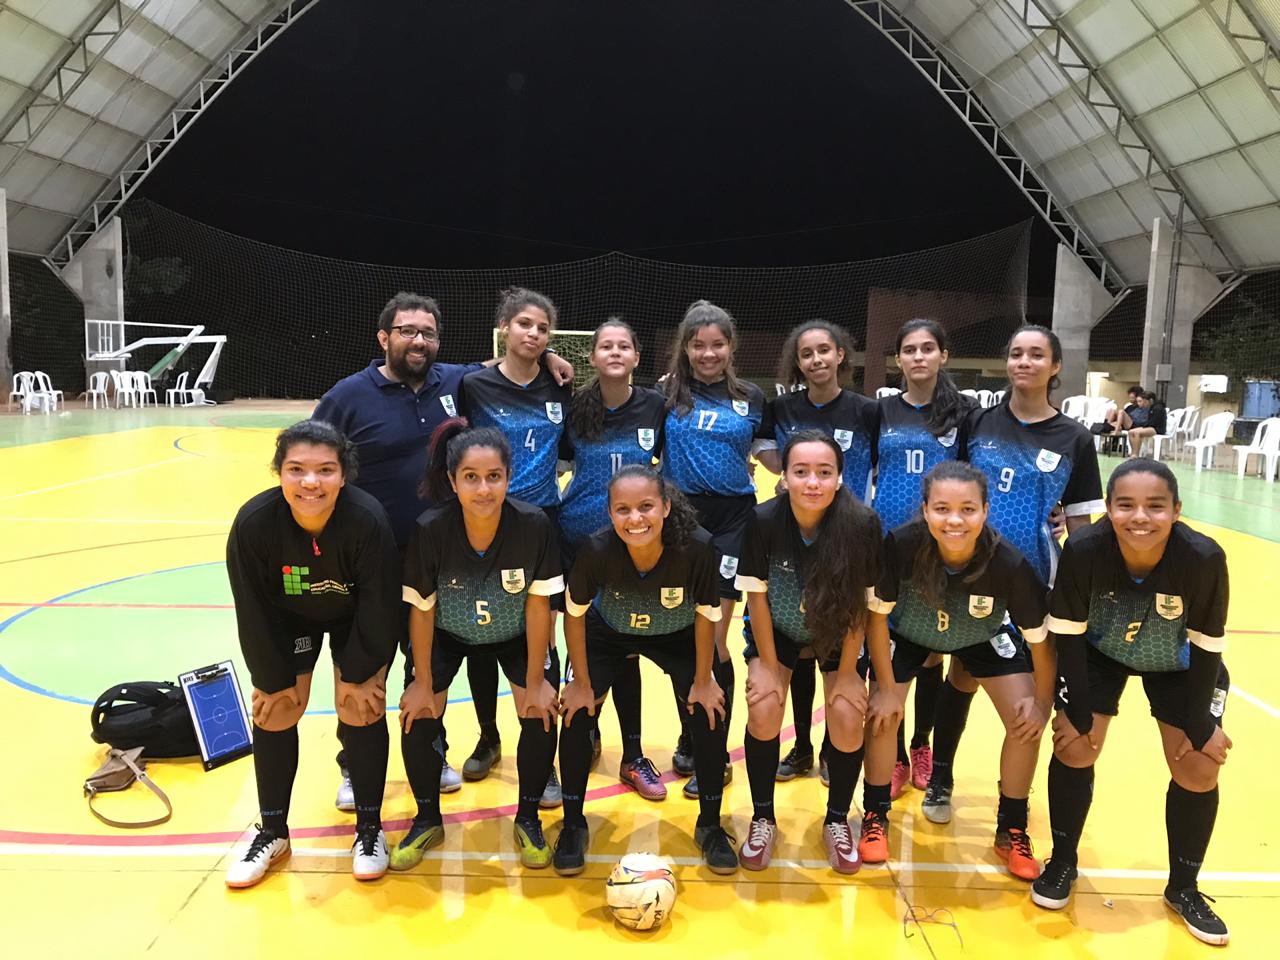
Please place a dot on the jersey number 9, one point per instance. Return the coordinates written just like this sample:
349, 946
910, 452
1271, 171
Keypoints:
1005, 483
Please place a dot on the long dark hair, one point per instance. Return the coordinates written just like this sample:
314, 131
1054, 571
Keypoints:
701, 314
949, 406
789, 365
319, 433
678, 527
1055, 353
927, 571
843, 563
515, 299
586, 410
449, 441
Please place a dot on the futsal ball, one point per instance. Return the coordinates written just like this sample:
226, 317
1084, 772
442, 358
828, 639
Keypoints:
641, 891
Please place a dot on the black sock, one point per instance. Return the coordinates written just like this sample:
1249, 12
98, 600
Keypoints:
681, 712
826, 749
928, 686
949, 720
422, 765
875, 797
482, 678
708, 765
342, 754
1188, 819
804, 684
1070, 794
626, 701
535, 754
575, 765
843, 769
903, 756
1011, 813
275, 764
762, 770
724, 676
367, 749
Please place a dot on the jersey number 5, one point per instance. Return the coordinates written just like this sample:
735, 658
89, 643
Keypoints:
483, 617
707, 419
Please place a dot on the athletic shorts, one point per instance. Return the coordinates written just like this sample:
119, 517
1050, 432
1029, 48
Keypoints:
725, 518
301, 641
553, 514
787, 651
448, 654
1003, 655
1166, 691
675, 653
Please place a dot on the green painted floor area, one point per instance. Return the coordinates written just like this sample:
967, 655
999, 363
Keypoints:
74, 420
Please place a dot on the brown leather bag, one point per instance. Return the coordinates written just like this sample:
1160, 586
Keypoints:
118, 772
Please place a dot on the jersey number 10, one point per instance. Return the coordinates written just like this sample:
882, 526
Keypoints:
915, 461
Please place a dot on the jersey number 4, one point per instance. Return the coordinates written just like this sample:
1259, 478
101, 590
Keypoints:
529, 443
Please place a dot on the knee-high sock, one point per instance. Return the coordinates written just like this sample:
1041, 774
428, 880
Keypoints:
422, 765
681, 712
762, 770
625, 693
1188, 819
575, 764
342, 755
482, 678
803, 686
723, 672
843, 769
875, 796
928, 687
903, 756
1070, 795
709, 758
535, 754
367, 749
950, 718
275, 764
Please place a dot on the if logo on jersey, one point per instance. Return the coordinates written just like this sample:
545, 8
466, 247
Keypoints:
672, 597
294, 585
1047, 461
740, 407
450, 407
555, 413
728, 567
1004, 645
1169, 605
644, 436
980, 607
948, 439
513, 580
302, 645
844, 438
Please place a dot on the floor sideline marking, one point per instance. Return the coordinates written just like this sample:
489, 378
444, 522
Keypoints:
1257, 702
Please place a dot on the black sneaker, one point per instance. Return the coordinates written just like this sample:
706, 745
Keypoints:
570, 857
1052, 890
717, 849
691, 785
823, 773
796, 763
682, 759
483, 759
1204, 924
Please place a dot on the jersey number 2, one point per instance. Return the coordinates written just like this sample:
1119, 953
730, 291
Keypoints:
1131, 632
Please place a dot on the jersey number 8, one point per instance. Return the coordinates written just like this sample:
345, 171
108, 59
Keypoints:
944, 621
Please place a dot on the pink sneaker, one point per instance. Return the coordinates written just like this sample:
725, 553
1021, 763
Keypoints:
901, 777
757, 849
642, 777
921, 766
842, 852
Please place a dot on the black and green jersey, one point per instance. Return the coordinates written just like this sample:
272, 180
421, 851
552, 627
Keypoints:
1147, 625
479, 597
972, 612
775, 561
657, 603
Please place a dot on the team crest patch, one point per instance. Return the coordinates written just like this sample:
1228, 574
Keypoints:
948, 439
513, 580
980, 607
1047, 461
1004, 645
844, 438
728, 566
1169, 605
450, 407
302, 645
555, 413
740, 407
672, 597
644, 436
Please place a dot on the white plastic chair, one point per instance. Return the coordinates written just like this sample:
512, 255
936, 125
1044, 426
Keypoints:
1213, 431
985, 398
122, 386
1172, 420
23, 384
1186, 428
45, 386
1265, 446
142, 388
179, 393
997, 398
1075, 407
887, 392
97, 389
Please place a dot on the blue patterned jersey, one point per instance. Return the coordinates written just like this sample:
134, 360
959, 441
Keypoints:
632, 434
849, 418
706, 450
532, 418
905, 451
1031, 468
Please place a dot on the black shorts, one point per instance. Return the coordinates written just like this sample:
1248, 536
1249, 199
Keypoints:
448, 653
1003, 655
725, 518
553, 514
302, 640
786, 649
675, 653
1166, 691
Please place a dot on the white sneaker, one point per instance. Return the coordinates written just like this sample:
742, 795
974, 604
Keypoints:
369, 854
346, 799
450, 779
265, 851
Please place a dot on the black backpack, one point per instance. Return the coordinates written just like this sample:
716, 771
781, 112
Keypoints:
148, 714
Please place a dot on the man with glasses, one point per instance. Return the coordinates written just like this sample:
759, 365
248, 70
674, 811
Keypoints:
389, 410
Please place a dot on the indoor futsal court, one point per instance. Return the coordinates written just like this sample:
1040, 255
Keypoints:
115, 526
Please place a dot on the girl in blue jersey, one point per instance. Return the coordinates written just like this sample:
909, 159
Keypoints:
816, 357
612, 424
917, 430
712, 419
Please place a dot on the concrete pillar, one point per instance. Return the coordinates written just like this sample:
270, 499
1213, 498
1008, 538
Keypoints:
1079, 300
6, 311
96, 274
1168, 327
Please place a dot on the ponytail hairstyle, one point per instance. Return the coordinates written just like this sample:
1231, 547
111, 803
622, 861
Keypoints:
1143, 465
515, 299
1055, 353
681, 521
789, 365
449, 442
586, 410
701, 314
318, 433
843, 562
949, 406
928, 572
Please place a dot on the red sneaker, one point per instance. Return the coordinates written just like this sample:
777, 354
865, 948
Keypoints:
873, 845
921, 766
898, 783
842, 852
1013, 846
642, 777
757, 849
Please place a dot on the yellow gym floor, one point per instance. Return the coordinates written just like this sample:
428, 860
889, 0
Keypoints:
114, 524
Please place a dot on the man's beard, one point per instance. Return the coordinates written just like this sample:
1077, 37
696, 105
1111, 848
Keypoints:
403, 370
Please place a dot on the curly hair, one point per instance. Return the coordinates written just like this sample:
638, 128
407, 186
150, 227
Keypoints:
681, 521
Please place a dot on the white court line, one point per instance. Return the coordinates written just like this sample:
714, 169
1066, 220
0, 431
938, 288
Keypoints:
126, 521
96, 477
1250, 698
215, 851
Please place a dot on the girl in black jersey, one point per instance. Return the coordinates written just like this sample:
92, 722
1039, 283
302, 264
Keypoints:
480, 572
809, 563
949, 581
309, 557
1139, 593
522, 400
645, 585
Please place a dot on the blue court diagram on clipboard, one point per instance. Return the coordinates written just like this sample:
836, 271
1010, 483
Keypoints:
217, 710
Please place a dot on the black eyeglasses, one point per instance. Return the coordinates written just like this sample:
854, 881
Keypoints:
413, 333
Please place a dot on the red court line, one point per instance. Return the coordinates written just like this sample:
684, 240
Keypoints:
109, 546
122, 606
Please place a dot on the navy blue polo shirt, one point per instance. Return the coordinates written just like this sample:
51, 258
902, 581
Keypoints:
390, 426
